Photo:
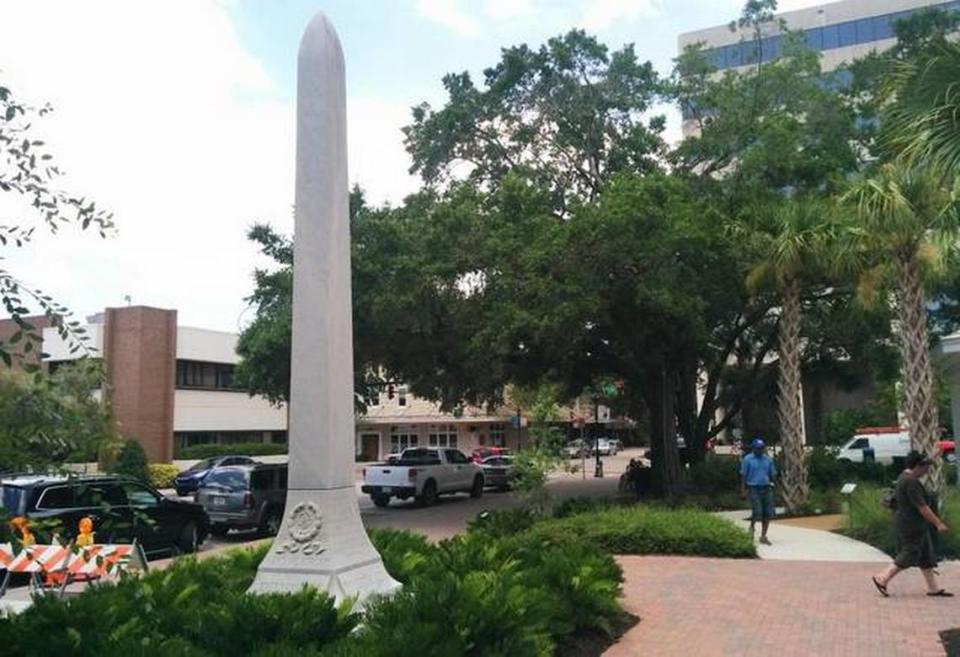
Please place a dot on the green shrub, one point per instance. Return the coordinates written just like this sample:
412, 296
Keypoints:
826, 471
403, 552
471, 595
575, 505
652, 530
821, 502
196, 608
715, 475
246, 449
498, 524
131, 461
162, 474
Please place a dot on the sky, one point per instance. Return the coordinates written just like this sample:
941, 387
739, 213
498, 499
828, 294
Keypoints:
178, 116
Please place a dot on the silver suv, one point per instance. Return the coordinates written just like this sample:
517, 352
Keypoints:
245, 497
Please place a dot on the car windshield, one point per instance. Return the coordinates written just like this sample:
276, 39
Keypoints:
421, 455
206, 464
232, 479
12, 499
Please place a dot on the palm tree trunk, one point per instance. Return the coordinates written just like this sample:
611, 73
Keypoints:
920, 405
790, 402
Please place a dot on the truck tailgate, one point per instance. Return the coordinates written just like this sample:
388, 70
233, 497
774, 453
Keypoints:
387, 475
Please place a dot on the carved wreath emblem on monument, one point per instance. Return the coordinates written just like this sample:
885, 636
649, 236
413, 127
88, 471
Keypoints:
305, 522
303, 525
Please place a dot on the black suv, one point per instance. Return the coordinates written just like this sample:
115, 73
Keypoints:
122, 510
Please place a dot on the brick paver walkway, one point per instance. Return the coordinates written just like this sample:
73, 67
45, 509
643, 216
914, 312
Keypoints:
706, 607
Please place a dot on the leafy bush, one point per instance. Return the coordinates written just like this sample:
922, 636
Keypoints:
652, 530
402, 551
574, 505
715, 475
162, 474
131, 461
193, 608
470, 595
246, 449
473, 595
826, 471
498, 524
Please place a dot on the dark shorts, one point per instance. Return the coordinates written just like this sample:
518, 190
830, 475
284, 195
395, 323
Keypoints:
761, 502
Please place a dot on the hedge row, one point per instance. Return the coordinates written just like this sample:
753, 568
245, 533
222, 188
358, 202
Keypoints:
634, 529
244, 449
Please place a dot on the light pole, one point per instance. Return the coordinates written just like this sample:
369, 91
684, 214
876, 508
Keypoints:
598, 467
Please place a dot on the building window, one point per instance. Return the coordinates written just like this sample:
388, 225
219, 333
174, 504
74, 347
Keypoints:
402, 437
209, 376
192, 438
443, 435
498, 435
402, 396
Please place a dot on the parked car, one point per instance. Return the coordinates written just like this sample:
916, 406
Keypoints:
882, 444
603, 446
423, 473
188, 481
616, 444
122, 510
245, 497
496, 471
578, 448
480, 453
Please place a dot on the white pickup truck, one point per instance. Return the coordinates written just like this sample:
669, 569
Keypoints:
422, 473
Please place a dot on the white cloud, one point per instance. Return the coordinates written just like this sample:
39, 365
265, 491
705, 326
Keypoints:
600, 14
450, 14
500, 9
163, 116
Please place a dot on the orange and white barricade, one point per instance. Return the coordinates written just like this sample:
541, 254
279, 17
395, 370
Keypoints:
62, 564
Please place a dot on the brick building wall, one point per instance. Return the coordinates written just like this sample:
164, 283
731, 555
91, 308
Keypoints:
139, 350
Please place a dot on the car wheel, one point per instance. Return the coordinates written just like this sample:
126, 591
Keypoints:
428, 496
188, 541
477, 489
380, 500
219, 529
270, 525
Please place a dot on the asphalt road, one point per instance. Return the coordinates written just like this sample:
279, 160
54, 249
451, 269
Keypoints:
452, 512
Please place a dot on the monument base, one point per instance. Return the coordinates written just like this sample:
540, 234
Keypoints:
322, 543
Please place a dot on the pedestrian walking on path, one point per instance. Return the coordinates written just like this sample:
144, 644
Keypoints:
757, 474
915, 523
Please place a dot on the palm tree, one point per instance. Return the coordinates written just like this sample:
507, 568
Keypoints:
923, 122
905, 216
795, 239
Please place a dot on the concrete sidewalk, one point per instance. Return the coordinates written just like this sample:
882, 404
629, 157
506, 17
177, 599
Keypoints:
800, 544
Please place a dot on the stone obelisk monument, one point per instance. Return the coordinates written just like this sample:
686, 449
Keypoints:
322, 541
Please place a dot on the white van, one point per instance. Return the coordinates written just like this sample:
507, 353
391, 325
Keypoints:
887, 443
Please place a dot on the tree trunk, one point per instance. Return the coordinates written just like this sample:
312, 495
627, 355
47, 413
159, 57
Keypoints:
661, 391
920, 405
790, 402
687, 411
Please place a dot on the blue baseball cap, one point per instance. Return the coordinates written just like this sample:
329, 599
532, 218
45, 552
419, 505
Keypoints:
758, 443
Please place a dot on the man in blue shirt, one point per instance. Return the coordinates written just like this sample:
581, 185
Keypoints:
757, 473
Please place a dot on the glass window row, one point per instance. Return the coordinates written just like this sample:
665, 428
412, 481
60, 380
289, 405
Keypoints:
828, 37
